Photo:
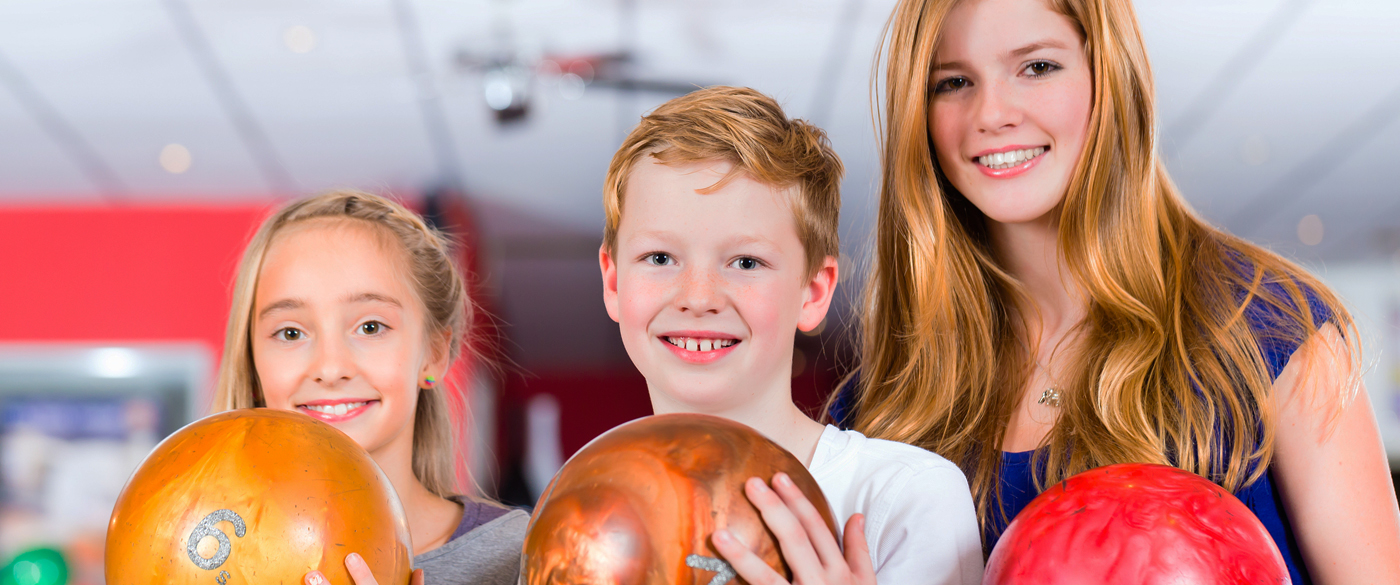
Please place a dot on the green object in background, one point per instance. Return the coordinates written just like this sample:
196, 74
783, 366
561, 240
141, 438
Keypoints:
39, 566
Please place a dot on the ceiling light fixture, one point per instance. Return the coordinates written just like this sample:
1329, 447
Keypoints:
299, 39
175, 159
1310, 230
507, 91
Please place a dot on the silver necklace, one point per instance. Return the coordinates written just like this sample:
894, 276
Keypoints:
1051, 395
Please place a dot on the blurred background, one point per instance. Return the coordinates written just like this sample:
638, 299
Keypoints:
141, 142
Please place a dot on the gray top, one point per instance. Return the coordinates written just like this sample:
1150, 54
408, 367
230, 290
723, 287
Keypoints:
486, 554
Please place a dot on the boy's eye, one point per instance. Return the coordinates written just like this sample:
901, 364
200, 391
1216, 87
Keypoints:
951, 84
1041, 68
658, 259
746, 263
288, 334
372, 328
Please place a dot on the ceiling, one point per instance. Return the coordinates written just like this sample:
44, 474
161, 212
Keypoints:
1272, 110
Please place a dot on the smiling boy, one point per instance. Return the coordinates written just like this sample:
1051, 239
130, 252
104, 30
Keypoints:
720, 244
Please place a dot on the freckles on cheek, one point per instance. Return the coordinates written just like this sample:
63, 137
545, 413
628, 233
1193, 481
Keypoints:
760, 311
639, 301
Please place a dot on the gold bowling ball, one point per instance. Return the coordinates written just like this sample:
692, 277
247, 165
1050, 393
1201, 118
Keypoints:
639, 503
255, 496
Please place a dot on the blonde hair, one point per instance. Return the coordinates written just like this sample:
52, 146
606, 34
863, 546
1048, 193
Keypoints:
1170, 369
750, 130
436, 280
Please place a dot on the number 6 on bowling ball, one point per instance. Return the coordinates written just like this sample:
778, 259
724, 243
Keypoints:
255, 496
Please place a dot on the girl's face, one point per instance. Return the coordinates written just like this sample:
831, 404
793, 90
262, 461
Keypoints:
1009, 105
339, 334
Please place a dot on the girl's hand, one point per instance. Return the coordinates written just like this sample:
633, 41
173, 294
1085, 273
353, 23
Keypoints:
807, 544
359, 573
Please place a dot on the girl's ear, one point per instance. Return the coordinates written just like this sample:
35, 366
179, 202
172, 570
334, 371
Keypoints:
817, 298
439, 356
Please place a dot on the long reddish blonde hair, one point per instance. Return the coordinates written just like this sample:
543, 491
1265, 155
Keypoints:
1169, 367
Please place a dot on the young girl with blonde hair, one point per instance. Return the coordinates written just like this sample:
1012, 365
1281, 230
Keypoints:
349, 308
1043, 301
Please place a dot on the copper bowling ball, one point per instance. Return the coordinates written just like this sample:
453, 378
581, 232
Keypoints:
256, 496
639, 503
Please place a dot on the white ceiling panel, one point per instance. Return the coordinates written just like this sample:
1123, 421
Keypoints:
129, 89
1278, 81
1272, 139
1358, 202
344, 112
31, 163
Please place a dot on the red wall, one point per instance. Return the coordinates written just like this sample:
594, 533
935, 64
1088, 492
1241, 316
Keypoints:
143, 273
121, 274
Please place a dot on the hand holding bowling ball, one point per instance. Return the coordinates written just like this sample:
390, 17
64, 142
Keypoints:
807, 543
639, 504
256, 496
1135, 523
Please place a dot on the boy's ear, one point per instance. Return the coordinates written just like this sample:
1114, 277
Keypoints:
609, 270
817, 297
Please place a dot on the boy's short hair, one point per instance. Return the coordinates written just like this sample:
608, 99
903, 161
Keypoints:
750, 130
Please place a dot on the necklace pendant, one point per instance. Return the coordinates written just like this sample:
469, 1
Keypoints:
1050, 396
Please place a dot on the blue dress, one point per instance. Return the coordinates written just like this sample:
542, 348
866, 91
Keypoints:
1262, 497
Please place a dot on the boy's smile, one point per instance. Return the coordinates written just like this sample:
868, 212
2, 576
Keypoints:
708, 287
699, 347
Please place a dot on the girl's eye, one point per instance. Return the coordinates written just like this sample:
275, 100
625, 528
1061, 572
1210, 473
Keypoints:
288, 334
658, 259
951, 84
1041, 68
372, 328
747, 263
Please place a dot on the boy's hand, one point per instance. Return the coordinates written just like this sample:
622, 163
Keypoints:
359, 573
807, 544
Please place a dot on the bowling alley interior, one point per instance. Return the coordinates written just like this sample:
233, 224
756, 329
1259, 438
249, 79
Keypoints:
143, 143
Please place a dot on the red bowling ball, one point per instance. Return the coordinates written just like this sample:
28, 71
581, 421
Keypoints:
1140, 524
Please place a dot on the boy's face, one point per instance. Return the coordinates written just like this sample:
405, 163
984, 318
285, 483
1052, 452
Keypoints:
708, 290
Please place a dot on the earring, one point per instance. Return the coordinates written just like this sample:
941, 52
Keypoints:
429, 381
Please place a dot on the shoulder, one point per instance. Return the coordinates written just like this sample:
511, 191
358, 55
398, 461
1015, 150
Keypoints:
921, 523
898, 458
489, 553
1283, 307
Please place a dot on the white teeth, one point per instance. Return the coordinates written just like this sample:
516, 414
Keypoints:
1006, 160
696, 344
335, 409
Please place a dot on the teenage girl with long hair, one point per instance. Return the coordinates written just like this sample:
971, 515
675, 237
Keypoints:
1043, 301
348, 308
